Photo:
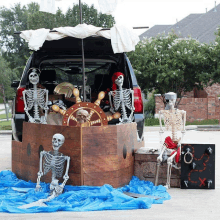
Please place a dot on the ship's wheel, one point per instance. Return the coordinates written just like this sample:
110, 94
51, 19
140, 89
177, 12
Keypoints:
96, 117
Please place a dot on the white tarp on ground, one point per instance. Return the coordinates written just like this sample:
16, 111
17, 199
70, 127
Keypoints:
123, 39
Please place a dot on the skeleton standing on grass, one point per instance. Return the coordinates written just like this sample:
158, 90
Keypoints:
174, 120
35, 98
122, 98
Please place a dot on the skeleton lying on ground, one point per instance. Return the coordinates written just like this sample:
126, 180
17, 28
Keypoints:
174, 120
54, 161
35, 98
122, 98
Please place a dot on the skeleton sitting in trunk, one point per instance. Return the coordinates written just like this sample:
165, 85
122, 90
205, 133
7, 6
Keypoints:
35, 98
174, 120
54, 161
122, 98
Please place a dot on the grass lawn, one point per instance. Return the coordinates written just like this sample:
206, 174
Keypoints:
5, 125
3, 116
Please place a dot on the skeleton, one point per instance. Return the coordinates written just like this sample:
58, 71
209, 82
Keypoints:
174, 120
54, 161
121, 98
82, 116
35, 98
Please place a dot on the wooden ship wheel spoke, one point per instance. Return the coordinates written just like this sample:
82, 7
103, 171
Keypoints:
85, 114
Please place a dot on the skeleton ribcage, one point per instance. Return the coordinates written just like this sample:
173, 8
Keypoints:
125, 96
54, 163
29, 95
40, 97
172, 119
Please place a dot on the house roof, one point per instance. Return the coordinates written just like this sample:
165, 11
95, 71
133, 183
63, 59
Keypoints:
205, 24
179, 26
199, 26
154, 31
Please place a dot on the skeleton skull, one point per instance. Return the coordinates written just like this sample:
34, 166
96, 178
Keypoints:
57, 141
119, 80
33, 77
81, 116
171, 96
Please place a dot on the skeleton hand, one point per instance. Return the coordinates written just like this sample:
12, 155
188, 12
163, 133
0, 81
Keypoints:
38, 188
59, 189
112, 110
31, 120
160, 159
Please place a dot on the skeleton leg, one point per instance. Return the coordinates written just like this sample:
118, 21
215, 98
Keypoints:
169, 168
159, 160
40, 173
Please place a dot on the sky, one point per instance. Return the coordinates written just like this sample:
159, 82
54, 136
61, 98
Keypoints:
141, 13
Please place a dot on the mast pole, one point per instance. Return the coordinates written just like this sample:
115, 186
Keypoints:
83, 58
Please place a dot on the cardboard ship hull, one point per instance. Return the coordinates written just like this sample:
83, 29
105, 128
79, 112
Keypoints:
99, 155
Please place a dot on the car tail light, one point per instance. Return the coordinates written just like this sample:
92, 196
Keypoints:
19, 102
138, 103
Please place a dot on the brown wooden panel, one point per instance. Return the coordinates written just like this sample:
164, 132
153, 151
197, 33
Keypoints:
115, 178
107, 152
16, 147
106, 163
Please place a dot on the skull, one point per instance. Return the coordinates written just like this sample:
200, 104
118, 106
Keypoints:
33, 77
57, 141
119, 80
81, 116
171, 96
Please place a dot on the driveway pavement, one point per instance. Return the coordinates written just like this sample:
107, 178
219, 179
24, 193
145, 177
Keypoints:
184, 204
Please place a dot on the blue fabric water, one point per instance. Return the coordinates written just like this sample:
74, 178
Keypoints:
15, 192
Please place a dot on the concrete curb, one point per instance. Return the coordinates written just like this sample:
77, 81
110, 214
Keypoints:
5, 132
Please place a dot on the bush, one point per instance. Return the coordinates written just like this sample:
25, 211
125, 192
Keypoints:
204, 122
149, 106
152, 121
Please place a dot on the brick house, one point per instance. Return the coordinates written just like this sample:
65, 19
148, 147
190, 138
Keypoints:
198, 104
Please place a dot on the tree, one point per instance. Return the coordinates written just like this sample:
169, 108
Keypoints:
6, 77
169, 63
70, 18
15, 50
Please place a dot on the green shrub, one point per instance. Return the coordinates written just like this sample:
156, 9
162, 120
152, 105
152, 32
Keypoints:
149, 106
151, 121
204, 122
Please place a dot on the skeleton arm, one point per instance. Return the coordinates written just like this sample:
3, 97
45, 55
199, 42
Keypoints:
66, 177
46, 106
40, 173
26, 108
110, 101
59, 188
184, 129
161, 129
132, 99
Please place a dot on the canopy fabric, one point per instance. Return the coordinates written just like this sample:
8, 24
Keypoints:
15, 193
123, 39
